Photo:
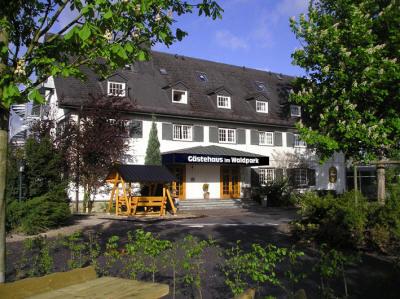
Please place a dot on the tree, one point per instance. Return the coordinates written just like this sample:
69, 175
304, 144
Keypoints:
102, 34
351, 92
92, 145
153, 155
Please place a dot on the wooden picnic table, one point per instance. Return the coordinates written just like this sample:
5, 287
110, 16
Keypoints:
108, 288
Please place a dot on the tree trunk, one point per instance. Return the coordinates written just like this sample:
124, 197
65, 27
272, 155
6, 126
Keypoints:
77, 174
4, 115
3, 169
380, 175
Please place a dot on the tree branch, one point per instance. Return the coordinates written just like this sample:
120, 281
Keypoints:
39, 33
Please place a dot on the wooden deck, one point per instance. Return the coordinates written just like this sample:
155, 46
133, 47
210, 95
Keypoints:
109, 287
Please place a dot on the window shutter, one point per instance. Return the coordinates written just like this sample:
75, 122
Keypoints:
255, 137
291, 172
241, 136
166, 131
213, 134
278, 138
289, 139
311, 176
278, 174
198, 133
255, 177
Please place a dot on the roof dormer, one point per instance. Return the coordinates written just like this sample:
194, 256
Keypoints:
222, 97
179, 92
117, 85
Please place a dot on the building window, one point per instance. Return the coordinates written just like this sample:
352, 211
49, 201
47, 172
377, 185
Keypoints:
266, 138
224, 102
182, 132
266, 175
262, 106
227, 135
298, 142
300, 177
116, 89
295, 111
179, 96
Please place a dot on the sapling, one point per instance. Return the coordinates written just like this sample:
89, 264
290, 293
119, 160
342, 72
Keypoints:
77, 248
111, 254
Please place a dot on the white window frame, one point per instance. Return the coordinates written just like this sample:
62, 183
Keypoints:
266, 175
110, 88
263, 138
182, 132
295, 110
260, 104
225, 133
298, 142
184, 96
223, 99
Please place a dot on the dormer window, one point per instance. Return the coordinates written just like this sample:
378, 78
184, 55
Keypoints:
224, 102
117, 89
262, 106
179, 96
295, 111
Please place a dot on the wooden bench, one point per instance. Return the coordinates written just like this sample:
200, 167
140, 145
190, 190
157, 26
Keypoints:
35, 285
81, 283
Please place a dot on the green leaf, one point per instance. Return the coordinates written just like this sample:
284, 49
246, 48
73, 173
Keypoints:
142, 56
11, 94
36, 97
108, 14
85, 32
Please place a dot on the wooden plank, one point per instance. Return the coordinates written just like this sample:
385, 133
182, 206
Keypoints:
109, 287
171, 202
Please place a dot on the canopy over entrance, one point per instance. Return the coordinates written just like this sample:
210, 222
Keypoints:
142, 173
153, 181
213, 155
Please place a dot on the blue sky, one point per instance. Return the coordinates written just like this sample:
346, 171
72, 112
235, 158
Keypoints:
252, 33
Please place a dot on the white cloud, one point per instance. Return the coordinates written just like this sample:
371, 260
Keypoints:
278, 16
227, 39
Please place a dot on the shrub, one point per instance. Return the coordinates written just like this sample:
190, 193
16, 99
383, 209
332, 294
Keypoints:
339, 221
278, 193
39, 213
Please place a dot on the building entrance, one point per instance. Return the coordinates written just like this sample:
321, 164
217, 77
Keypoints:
230, 182
180, 184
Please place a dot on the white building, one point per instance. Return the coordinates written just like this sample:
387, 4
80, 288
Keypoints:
228, 126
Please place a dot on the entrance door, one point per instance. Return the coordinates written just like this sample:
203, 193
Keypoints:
230, 182
180, 184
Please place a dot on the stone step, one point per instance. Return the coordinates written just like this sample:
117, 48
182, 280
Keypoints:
206, 204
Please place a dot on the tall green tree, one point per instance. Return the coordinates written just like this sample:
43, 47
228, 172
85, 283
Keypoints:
153, 155
350, 94
101, 34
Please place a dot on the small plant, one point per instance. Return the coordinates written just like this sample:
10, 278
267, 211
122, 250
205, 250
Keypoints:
206, 194
331, 266
294, 273
193, 260
94, 249
78, 249
36, 259
111, 254
235, 269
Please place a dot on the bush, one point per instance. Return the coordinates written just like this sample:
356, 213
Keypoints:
39, 213
278, 193
339, 221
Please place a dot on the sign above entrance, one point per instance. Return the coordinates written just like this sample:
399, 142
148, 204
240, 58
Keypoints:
214, 159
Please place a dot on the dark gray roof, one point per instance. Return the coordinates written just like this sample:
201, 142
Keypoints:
150, 91
143, 173
212, 150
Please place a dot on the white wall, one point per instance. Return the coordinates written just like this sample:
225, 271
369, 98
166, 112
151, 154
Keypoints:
197, 175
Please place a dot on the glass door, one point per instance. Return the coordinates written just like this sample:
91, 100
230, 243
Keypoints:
230, 182
180, 184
